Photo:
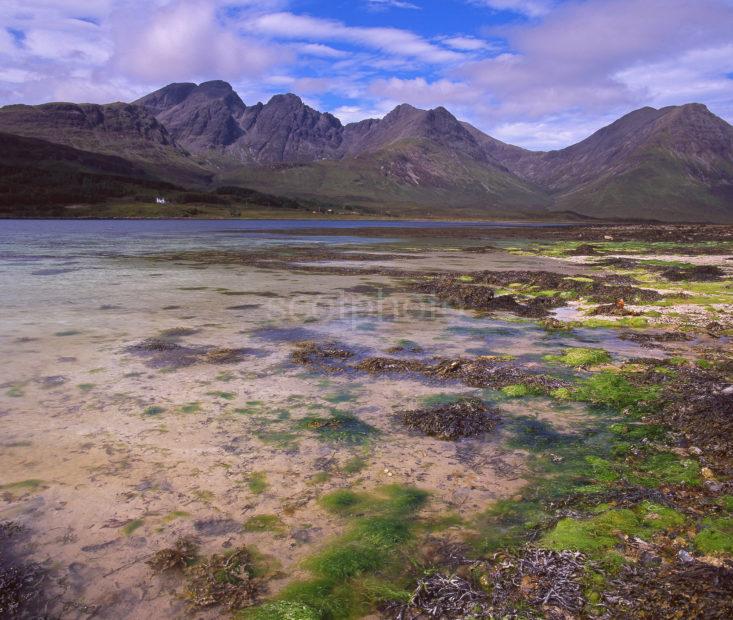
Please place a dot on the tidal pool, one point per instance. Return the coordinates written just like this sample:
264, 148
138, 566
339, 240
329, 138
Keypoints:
112, 451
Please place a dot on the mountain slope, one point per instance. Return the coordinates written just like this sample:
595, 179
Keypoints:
675, 163
39, 176
118, 129
211, 116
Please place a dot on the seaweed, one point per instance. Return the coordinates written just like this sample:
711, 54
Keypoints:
21, 582
229, 579
182, 554
466, 417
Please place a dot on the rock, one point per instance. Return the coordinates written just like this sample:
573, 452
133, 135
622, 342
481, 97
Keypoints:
685, 557
707, 473
694, 450
648, 558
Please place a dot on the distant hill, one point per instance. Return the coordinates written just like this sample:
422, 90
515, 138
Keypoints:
672, 164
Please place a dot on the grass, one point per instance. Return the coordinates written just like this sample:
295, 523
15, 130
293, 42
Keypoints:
190, 408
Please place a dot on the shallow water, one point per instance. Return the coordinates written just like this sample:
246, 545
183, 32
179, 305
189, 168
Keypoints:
123, 455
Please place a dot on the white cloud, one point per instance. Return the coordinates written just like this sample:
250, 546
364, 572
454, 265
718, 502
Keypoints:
531, 8
286, 25
318, 49
576, 56
18, 76
382, 5
420, 92
7, 45
550, 133
689, 76
467, 44
355, 113
186, 39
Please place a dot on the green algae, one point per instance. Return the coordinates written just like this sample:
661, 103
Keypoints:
613, 389
343, 396
280, 439
174, 515
601, 532
638, 431
320, 477
507, 523
520, 390
633, 322
153, 410
340, 427
257, 482
666, 468
530, 433
354, 465
194, 407
280, 610
22, 486
364, 565
132, 526
716, 536
726, 503
264, 523
581, 357
222, 395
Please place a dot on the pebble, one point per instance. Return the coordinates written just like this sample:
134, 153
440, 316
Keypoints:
695, 450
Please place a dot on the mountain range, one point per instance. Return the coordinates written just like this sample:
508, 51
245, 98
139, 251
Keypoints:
668, 164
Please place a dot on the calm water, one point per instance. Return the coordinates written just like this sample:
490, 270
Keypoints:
39, 239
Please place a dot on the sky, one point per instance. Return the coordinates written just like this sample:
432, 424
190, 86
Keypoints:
541, 74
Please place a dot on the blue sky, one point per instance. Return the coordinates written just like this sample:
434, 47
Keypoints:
539, 73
